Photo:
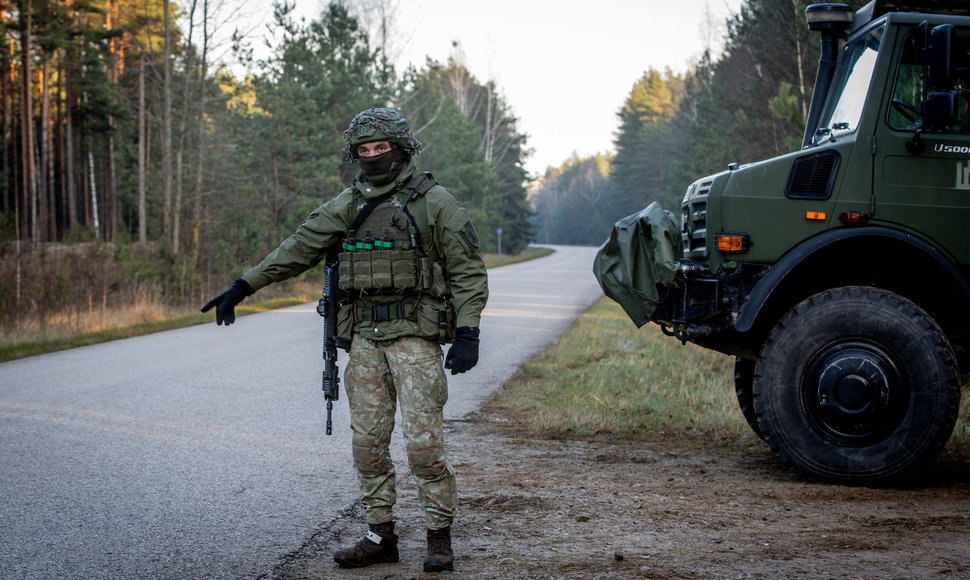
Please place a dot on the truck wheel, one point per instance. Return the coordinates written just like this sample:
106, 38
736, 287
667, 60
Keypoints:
743, 379
856, 385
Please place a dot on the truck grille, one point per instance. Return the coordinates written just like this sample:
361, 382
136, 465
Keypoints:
694, 223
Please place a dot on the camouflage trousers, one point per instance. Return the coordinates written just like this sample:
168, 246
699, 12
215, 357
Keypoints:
379, 374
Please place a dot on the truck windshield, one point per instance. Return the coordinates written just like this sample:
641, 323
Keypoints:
843, 108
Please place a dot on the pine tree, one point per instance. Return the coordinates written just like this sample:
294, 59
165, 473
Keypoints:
640, 170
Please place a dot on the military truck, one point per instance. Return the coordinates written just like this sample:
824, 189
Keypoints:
837, 275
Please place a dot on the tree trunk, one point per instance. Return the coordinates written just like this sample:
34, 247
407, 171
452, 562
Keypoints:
197, 198
6, 85
47, 214
95, 219
112, 207
167, 131
71, 184
27, 148
57, 145
177, 210
18, 230
183, 133
142, 208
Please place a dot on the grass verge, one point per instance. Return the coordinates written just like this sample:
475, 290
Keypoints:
605, 379
530, 253
55, 339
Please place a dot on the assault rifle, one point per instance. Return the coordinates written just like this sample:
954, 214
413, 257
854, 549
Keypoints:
327, 308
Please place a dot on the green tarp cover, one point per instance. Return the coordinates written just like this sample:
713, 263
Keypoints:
641, 253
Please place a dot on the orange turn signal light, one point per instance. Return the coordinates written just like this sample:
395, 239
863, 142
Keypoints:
732, 243
853, 217
818, 216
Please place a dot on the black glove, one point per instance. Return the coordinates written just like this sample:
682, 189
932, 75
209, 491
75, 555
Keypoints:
463, 354
225, 303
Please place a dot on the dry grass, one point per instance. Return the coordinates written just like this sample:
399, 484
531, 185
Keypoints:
110, 310
530, 253
97, 317
143, 315
606, 379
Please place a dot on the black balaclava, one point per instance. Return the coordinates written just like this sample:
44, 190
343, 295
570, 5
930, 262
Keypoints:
384, 168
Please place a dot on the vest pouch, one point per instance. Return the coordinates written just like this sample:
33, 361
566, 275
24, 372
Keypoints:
380, 265
346, 270
432, 277
436, 320
345, 321
363, 278
404, 269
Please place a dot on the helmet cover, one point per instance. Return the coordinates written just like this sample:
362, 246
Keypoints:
379, 124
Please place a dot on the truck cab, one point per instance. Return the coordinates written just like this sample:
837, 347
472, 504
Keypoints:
837, 275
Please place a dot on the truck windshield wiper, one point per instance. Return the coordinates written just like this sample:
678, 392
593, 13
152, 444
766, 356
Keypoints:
820, 134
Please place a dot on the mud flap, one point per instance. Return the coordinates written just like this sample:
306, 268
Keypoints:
640, 255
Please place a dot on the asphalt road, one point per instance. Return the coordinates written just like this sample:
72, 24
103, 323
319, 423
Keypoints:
200, 452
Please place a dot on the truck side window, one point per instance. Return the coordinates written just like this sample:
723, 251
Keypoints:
961, 73
904, 109
904, 112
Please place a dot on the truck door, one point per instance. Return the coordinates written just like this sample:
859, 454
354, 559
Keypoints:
921, 180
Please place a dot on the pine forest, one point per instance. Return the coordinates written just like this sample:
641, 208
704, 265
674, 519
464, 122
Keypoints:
137, 168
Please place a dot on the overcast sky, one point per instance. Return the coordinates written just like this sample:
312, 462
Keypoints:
564, 66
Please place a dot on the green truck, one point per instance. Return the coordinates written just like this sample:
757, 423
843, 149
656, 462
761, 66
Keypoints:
837, 275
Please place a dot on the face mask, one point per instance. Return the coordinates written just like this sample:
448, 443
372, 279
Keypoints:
376, 165
383, 168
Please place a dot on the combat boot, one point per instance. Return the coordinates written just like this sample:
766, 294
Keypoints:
440, 557
379, 545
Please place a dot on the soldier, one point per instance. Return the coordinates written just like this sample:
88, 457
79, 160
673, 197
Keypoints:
414, 281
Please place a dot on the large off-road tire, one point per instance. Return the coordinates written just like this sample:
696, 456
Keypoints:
743, 381
856, 385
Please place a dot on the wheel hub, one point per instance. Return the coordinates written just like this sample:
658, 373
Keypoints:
854, 393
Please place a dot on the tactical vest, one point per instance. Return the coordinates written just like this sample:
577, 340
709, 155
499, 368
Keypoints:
390, 269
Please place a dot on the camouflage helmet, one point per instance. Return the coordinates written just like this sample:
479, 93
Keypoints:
379, 124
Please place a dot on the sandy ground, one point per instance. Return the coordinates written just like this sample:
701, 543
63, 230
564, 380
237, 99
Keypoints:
668, 509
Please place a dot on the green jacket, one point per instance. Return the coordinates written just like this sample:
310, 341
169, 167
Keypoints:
448, 224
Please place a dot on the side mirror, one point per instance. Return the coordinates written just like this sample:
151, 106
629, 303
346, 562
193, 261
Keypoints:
939, 108
937, 56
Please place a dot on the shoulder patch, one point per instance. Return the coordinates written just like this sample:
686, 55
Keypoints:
468, 231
